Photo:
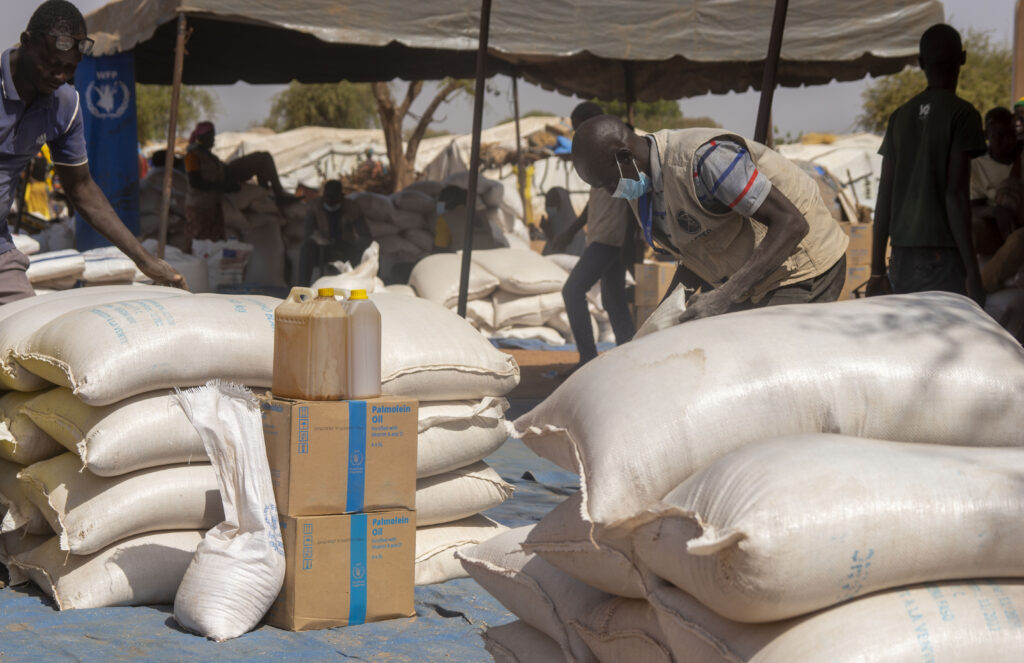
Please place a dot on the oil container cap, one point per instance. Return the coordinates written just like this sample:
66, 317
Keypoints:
357, 294
325, 292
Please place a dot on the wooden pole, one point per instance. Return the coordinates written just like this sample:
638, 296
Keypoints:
474, 157
1018, 52
172, 132
520, 169
771, 68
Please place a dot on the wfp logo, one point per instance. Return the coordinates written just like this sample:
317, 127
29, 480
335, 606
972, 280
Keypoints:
356, 459
107, 98
358, 572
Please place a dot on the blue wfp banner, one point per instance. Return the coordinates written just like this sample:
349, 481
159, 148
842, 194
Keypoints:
106, 87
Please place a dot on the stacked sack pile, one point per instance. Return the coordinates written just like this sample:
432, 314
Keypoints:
513, 293
106, 484
401, 223
102, 453
832, 482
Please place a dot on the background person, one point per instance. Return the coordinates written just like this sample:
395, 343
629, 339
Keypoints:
335, 230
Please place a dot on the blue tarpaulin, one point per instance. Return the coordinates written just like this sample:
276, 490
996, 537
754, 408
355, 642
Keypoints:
106, 88
449, 616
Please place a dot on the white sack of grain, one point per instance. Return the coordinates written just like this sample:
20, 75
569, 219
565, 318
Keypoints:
436, 278
958, 516
623, 629
21, 440
431, 188
361, 277
479, 313
951, 621
666, 315
453, 434
25, 243
684, 397
408, 220
518, 642
108, 264
411, 200
420, 238
533, 590
396, 245
111, 352
381, 229
89, 512
564, 540
144, 431
522, 272
21, 319
68, 263
436, 546
457, 494
239, 567
527, 311
141, 570
375, 206
20, 514
432, 354
401, 289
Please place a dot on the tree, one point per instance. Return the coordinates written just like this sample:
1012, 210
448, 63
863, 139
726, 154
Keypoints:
344, 104
984, 81
392, 116
153, 107
656, 115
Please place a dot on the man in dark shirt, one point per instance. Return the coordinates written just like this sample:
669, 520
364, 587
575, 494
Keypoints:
924, 195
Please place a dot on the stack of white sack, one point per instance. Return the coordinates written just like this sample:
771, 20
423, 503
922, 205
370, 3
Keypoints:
400, 223
513, 293
715, 542
433, 355
500, 208
128, 492
55, 270
361, 277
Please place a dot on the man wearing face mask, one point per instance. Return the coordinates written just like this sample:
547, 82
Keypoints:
39, 107
335, 230
735, 214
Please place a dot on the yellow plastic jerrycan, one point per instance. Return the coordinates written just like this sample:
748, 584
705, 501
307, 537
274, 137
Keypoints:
310, 337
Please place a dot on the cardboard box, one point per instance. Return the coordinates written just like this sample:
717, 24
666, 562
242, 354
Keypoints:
858, 253
652, 282
329, 457
346, 570
538, 245
855, 278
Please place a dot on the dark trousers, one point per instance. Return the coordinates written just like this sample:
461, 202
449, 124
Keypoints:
598, 262
826, 287
922, 268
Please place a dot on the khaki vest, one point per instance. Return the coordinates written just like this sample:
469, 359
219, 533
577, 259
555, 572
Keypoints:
716, 246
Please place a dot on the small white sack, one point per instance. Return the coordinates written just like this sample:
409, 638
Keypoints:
436, 546
624, 630
21, 319
144, 431
414, 201
90, 512
375, 206
401, 289
111, 352
453, 434
822, 509
21, 440
533, 590
21, 513
432, 354
954, 621
521, 271
479, 313
142, 570
422, 239
238, 569
361, 277
68, 263
518, 642
107, 264
526, 310
25, 243
545, 335
436, 278
457, 494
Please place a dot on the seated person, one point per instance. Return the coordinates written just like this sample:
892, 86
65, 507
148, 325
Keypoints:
335, 230
996, 184
450, 227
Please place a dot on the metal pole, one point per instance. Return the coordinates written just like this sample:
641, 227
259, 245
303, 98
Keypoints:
630, 94
1018, 51
520, 170
771, 68
172, 132
474, 157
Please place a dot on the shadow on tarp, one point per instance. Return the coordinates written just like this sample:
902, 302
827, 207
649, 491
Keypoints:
449, 617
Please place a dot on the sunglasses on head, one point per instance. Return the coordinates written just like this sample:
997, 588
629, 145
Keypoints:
65, 43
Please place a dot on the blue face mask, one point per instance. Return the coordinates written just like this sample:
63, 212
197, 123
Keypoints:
630, 189
440, 207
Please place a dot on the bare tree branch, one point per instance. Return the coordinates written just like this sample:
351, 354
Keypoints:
411, 93
428, 117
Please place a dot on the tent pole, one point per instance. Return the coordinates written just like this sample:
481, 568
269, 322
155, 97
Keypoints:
172, 131
520, 171
474, 155
771, 68
1018, 51
630, 93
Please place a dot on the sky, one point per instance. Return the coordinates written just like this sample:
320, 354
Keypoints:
825, 108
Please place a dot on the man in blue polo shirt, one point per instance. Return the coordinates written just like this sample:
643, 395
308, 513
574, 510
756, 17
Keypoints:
38, 106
